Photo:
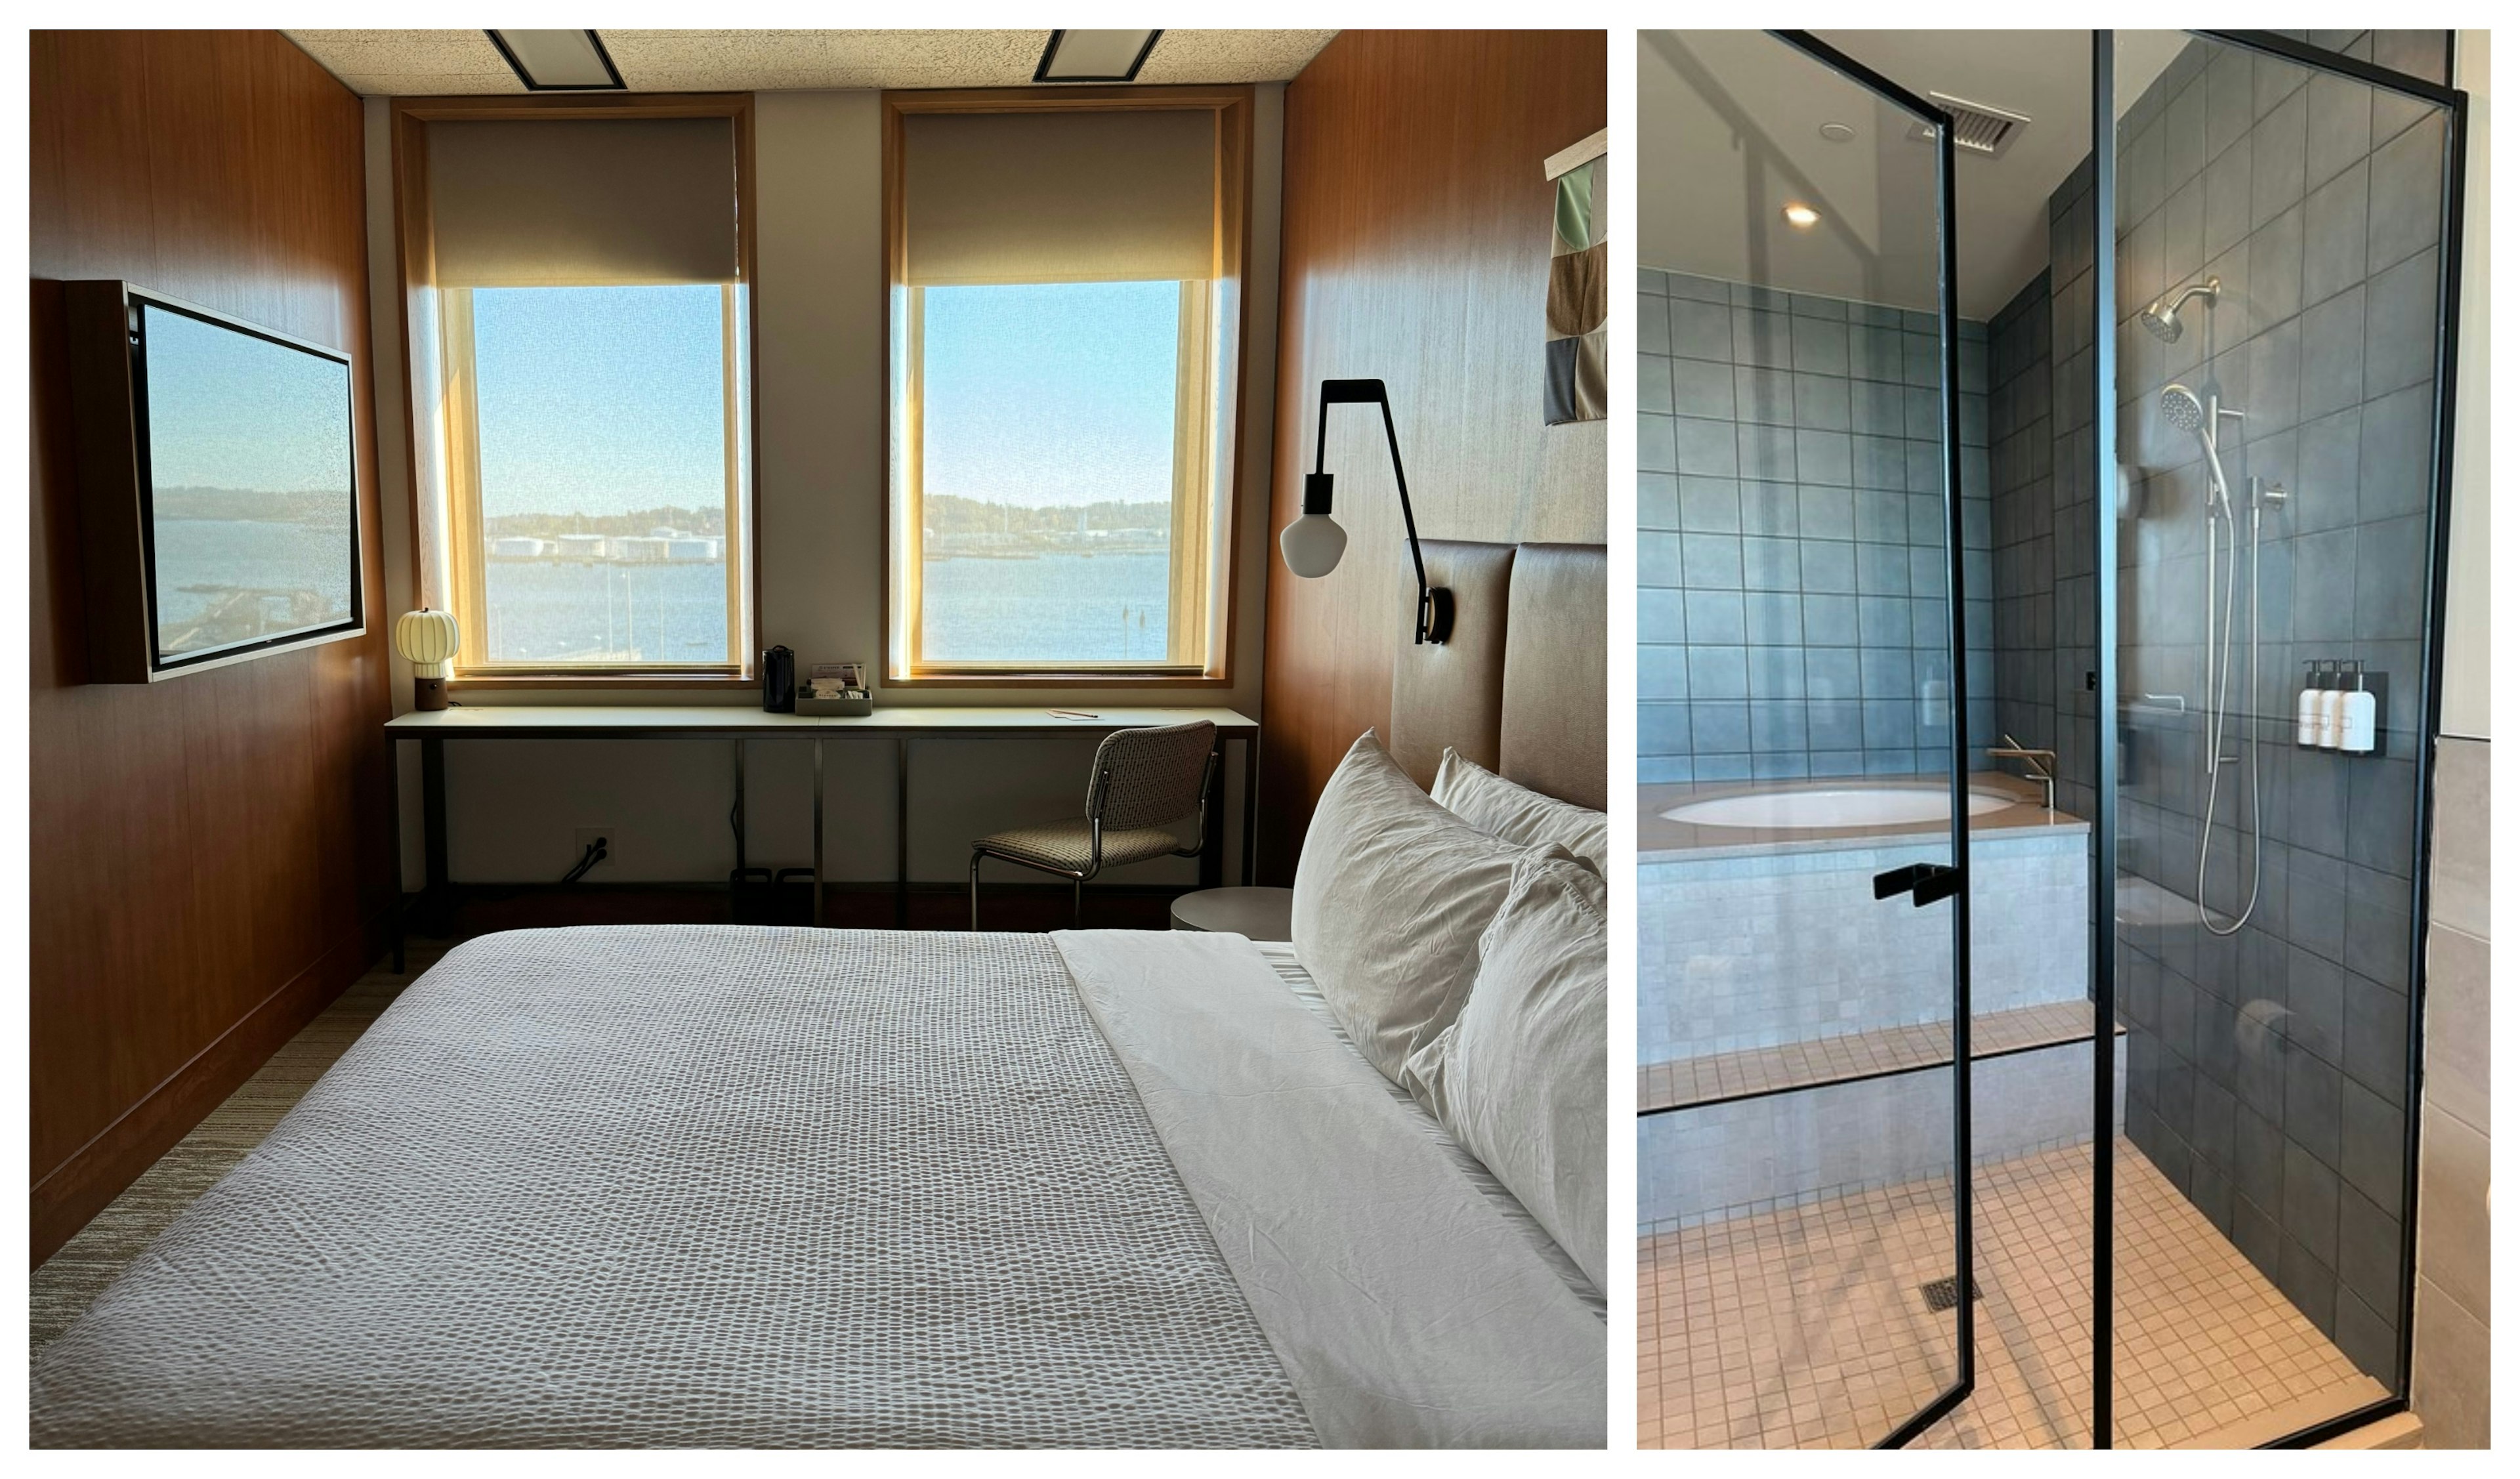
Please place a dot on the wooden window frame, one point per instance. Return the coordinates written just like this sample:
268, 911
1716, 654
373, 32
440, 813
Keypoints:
431, 434
1211, 600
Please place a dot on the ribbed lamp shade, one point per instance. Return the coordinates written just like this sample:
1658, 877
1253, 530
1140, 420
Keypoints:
427, 638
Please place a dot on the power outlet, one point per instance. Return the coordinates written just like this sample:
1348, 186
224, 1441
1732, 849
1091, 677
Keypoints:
586, 837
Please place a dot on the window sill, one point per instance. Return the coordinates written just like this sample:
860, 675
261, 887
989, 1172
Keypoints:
589, 681
1077, 682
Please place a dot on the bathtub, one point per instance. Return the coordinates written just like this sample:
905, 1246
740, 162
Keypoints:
1837, 807
1757, 923
1758, 930
1677, 821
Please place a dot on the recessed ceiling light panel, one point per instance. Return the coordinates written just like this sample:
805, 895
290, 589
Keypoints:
1094, 55
558, 60
1836, 133
1801, 216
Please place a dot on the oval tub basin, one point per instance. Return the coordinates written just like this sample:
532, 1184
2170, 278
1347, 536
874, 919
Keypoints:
1847, 806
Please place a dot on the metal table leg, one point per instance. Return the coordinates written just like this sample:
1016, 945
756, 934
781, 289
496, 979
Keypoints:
437, 906
393, 776
818, 833
1211, 826
1251, 808
901, 833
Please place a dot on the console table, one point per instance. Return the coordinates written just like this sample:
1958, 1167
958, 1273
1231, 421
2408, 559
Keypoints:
737, 725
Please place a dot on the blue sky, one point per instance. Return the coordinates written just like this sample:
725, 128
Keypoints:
1052, 396
227, 410
605, 399
598, 400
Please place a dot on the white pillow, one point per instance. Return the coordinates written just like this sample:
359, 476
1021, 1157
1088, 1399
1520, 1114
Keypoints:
1521, 1079
1519, 814
1391, 895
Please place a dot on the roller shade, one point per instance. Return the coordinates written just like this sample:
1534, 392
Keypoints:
1072, 197
582, 202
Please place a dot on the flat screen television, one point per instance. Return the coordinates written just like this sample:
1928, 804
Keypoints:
219, 485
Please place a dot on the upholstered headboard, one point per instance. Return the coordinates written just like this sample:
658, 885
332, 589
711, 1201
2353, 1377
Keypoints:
1522, 686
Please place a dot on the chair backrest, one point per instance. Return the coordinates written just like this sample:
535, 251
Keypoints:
1149, 777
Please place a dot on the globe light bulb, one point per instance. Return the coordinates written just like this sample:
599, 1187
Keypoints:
1313, 545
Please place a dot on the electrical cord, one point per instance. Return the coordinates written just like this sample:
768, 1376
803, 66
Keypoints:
596, 852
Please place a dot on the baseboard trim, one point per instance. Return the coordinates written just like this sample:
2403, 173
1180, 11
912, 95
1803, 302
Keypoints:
64, 1198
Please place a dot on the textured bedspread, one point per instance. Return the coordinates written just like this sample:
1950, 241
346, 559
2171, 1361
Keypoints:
688, 1186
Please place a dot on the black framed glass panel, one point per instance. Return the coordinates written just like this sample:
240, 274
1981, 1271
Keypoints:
1807, 739
2281, 254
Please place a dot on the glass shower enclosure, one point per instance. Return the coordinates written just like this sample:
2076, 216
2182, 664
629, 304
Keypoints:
2036, 709
2272, 393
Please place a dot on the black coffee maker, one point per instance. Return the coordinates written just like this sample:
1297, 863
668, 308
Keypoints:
779, 680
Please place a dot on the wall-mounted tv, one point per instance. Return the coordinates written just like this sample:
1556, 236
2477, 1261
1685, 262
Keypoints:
219, 485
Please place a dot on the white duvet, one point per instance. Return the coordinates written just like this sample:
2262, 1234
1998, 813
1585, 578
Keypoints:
686, 1186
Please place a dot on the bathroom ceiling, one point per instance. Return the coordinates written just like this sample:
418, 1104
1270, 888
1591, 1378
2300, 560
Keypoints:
1730, 136
403, 63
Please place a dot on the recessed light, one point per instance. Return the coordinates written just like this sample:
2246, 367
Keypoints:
1836, 133
1802, 215
558, 61
1094, 55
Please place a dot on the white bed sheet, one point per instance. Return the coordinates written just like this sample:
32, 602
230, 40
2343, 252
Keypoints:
1282, 958
1407, 1311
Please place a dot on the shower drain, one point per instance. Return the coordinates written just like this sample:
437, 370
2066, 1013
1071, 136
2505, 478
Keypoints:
1945, 1293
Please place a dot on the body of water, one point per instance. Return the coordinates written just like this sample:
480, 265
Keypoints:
1055, 608
1048, 609
226, 580
557, 611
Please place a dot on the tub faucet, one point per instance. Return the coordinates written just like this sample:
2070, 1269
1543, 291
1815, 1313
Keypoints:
2041, 763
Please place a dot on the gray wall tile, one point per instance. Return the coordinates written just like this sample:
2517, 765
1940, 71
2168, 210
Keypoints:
1789, 468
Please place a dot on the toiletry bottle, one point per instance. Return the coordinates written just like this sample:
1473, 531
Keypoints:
2305, 711
2331, 708
2361, 717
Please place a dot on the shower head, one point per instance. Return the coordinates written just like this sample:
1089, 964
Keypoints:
2160, 317
2181, 409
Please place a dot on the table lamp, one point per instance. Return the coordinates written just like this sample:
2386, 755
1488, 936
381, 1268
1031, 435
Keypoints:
427, 639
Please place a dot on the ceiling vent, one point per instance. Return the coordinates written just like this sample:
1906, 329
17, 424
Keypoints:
1976, 128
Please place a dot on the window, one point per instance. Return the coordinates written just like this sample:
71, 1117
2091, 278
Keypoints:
600, 516
589, 339
1066, 350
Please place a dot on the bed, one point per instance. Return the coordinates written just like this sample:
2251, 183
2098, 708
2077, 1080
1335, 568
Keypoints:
697, 1185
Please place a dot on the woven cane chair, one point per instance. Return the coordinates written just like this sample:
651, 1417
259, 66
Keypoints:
1142, 780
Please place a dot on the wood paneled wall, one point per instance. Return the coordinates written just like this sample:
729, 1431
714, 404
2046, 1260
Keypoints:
211, 857
1415, 250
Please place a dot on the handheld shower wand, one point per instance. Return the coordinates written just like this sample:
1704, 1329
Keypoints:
2202, 419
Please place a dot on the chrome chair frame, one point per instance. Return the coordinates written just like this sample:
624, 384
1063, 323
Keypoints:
1094, 820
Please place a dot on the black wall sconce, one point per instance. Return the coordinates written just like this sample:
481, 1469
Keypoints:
1313, 543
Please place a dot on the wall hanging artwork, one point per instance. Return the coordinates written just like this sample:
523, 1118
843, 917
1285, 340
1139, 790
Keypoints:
1578, 346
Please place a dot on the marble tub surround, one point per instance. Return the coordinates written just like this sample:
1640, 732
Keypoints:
1661, 839
1756, 940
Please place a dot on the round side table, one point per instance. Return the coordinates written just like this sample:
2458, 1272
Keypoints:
1258, 913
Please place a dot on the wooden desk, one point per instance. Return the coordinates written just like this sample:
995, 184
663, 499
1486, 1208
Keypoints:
737, 725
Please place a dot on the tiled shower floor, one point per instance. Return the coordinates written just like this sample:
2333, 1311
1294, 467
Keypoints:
1804, 1327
